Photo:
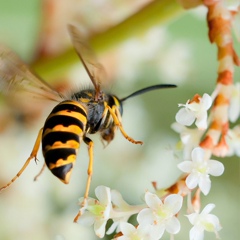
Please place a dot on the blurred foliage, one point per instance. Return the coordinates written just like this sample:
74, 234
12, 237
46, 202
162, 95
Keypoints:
20, 23
183, 55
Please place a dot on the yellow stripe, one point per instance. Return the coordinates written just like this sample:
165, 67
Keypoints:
85, 100
76, 115
61, 162
59, 144
60, 128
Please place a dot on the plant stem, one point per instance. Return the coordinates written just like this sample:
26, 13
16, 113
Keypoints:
155, 13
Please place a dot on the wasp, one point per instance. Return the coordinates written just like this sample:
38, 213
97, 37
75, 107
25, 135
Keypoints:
74, 118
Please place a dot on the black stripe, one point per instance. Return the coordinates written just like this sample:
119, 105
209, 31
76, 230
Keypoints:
62, 120
69, 107
53, 155
63, 137
62, 171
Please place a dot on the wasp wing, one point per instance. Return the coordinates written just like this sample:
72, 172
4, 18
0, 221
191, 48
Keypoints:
16, 79
94, 69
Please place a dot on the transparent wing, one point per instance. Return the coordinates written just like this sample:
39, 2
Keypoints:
95, 70
17, 79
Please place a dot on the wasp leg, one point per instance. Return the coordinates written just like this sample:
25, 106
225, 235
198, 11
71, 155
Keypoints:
90, 144
116, 116
32, 156
41, 171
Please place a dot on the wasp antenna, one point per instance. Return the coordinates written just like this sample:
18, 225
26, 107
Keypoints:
147, 89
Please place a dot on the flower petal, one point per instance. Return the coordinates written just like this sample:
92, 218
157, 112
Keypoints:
87, 219
216, 168
117, 199
208, 208
196, 234
185, 117
192, 218
173, 202
152, 200
195, 107
127, 228
213, 223
205, 184
234, 108
206, 101
103, 194
185, 166
99, 228
177, 127
192, 181
198, 155
145, 216
112, 228
156, 232
173, 226
201, 121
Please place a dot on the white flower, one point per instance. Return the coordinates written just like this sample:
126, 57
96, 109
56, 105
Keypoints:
199, 169
234, 108
203, 222
141, 232
233, 141
97, 212
161, 216
122, 211
189, 137
195, 110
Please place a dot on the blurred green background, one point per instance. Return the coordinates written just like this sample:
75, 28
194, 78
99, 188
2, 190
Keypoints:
176, 50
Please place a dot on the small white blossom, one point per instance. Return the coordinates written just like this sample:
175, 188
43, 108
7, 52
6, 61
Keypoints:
189, 137
195, 110
122, 211
97, 212
233, 141
199, 170
161, 216
234, 108
141, 232
203, 222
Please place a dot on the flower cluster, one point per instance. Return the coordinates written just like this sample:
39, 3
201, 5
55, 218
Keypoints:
154, 216
196, 109
197, 165
212, 135
109, 205
203, 221
199, 169
209, 136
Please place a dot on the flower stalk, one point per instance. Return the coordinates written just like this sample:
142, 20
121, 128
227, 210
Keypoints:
148, 16
220, 21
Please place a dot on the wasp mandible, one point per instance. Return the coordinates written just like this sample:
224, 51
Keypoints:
74, 117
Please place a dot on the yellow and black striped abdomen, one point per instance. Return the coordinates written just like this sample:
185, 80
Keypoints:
62, 133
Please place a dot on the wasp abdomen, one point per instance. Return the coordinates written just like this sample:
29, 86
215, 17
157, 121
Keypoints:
62, 133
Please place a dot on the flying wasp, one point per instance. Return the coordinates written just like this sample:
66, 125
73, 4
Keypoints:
74, 117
